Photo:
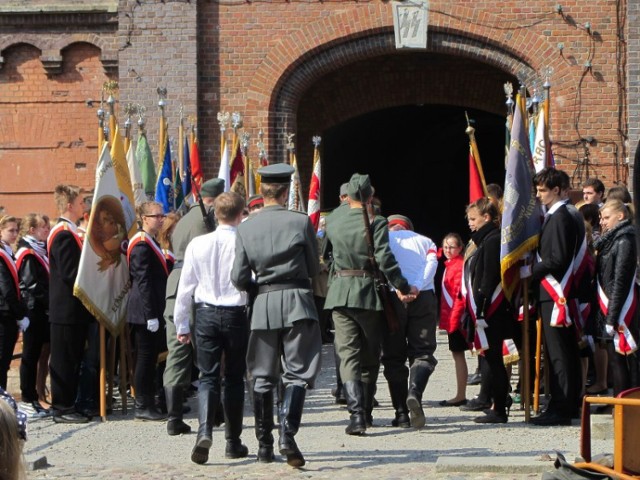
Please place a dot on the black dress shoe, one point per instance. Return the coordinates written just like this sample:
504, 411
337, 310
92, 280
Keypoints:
491, 417
447, 403
71, 417
475, 405
402, 420
549, 419
235, 450
474, 379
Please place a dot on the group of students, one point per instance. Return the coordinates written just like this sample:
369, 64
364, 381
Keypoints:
584, 290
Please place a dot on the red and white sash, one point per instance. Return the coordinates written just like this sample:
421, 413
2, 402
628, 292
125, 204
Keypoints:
13, 271
510, 352
480, 341
144, 237
22, 254
622, 338
59, 227
559, 292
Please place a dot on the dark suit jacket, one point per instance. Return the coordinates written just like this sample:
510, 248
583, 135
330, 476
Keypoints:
148, 285
64, 257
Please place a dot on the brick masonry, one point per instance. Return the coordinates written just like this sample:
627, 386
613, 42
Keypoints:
303, 67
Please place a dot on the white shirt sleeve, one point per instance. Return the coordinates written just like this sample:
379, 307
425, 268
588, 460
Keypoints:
431, 265
184, 297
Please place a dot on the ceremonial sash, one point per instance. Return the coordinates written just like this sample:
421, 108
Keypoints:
480, 341
622, 338
510, 351
61, 226
11, 266
143, 237
559, 292
22, 254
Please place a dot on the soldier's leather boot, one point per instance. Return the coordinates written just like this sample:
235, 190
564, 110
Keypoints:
263, 413
290, 416
355, 404
233, 402
146, 410
398, 392
419, 374
207, 405
175, 424
369, 401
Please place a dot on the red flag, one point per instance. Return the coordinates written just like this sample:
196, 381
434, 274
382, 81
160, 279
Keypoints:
314, 191
476, 189
194, 158
237, 164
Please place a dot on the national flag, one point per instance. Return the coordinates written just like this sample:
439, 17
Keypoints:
194, 160
164, 186
136, 178
314, 190
477, 184
102, 283
147, 167
521, 215
295, 199
223, 173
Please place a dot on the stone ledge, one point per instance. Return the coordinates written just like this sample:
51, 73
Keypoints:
506, 464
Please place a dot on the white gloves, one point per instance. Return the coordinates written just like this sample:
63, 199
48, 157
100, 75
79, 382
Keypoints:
525, 271
610, 329
24, 324
153, 325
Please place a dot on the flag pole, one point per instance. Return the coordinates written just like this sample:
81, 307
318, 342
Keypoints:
547, 114
244, 145
475, 152
100, 114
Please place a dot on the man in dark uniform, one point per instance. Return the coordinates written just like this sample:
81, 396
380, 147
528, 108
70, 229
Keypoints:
279, 247
177, 373
69, 318
357, 309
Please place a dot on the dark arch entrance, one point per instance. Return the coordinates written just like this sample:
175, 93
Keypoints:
417, 157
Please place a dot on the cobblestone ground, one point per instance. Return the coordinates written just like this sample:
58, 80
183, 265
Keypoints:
124, 448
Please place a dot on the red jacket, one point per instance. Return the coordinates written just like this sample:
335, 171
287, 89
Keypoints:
452, 304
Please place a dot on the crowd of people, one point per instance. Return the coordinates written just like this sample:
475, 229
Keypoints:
238, 283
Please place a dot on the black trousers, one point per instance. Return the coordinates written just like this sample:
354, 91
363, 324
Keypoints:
8, 338
416, 338
494, 373
563, 359
32, 342
221, 330
147, 345
67, 349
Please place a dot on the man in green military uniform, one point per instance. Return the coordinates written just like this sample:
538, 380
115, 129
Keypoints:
177, 373
278, 247
357, 309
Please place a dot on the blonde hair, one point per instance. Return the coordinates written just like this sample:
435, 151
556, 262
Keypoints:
615, 205
486, 206
64, 195
30, 220
11, 459
144, 208
169, 225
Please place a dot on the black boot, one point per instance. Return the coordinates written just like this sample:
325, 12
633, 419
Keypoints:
263, 412
339, 390
369, 390
355, 404
398, 392
290, 415
233, 414
419, 374
207, 405
175, 424
146, 410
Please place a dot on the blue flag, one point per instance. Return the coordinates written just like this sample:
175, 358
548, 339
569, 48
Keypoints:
164, 186
521, 214
186, 170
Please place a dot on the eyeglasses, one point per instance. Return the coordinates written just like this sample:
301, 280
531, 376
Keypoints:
157, 216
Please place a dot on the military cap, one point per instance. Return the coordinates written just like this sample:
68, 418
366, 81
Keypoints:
212, 188
343, 189
359, 183
276, 173
255, 200
401, 220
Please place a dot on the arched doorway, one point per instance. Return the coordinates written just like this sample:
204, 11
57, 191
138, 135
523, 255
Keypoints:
423, 172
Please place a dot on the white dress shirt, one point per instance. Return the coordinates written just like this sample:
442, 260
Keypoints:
417, 257
205, 276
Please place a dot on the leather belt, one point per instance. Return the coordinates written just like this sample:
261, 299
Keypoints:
353, 273
288, 285
229, 308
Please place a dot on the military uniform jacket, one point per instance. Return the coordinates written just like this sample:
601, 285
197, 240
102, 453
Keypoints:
279, 246
190, 226
148, 273
346, 244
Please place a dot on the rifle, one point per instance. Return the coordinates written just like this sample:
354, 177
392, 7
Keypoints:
379, 280
209, 222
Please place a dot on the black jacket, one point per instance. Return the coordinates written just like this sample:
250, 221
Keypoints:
616, 267
34, 281
10, 303
148, 285
483, 266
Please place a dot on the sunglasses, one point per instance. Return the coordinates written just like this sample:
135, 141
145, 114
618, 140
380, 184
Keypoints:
157, 216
